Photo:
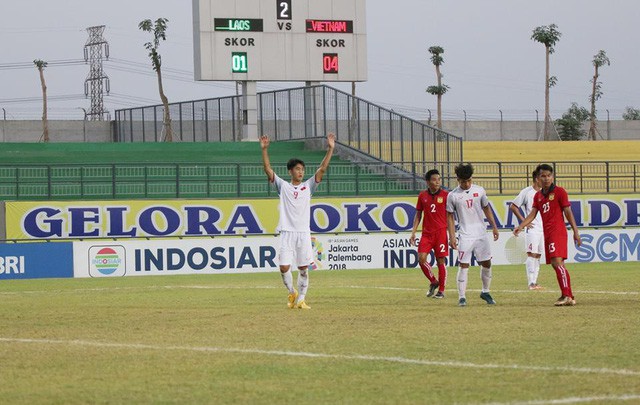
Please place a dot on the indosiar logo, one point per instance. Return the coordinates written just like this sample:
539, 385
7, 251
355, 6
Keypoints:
107, 261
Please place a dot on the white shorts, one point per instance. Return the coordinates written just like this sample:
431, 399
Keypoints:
535, 242
295, 245
468, 246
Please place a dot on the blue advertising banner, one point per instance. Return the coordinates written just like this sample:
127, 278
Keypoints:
36, 260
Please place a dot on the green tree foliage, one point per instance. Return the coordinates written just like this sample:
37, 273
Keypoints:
159, 31
631, 114
570, 126
548, 36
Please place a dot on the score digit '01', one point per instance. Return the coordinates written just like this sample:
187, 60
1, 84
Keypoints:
239, 62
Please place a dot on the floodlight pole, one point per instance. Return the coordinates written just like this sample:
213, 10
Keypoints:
249, 110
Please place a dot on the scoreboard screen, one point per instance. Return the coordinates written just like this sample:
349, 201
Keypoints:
280, 40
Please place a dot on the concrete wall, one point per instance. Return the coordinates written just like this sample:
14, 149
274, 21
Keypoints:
59, 131
102, 131
532, 130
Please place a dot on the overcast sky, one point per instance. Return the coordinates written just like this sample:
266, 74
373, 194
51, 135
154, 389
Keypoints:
490, 64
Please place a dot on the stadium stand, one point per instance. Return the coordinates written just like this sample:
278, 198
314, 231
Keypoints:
162, 170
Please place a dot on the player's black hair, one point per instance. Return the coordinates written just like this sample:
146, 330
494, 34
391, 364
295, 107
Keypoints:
535, 174
544, 166
293, 162
464, 171
427, 175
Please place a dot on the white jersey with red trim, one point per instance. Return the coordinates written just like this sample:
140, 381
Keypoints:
467, 205
295, 204
524, 200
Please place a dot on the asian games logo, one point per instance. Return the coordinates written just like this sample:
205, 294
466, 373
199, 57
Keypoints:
318, 253
107, 261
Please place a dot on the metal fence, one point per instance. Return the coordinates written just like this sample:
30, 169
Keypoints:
299, 113
193, 180
210, 120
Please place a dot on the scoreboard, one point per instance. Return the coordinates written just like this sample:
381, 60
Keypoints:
280, 40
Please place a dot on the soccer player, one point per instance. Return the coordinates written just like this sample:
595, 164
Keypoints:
552, 202
534, 237
469, 201
294, 224
432, 202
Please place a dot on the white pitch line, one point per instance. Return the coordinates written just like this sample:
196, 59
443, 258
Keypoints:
271, 287
573, 400
152, 287
401, 360
499, 291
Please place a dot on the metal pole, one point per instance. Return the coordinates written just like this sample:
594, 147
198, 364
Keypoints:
464, 131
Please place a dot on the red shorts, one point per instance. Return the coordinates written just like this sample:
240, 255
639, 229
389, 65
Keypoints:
436, 241
555, 245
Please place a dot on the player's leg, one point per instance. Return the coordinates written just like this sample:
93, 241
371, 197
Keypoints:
304, 256
535, 245
564, 280
441, 251
530, 266
464, 259
556, 252
482, 250
442, 277
424, 247
286, 259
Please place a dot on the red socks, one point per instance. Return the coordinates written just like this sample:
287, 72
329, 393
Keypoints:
442, 276
564, 280
426, 269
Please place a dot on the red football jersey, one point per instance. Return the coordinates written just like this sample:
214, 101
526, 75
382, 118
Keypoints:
550, 206
434, 209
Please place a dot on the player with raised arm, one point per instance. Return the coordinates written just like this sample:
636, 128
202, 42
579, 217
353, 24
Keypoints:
294, 223
432, 202
553, 204
534, 236
470, 204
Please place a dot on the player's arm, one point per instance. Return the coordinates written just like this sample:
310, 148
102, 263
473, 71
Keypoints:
451, 228
331, 143
266, 164
416, 222
516, 211
572, 221
489, 214
526, 221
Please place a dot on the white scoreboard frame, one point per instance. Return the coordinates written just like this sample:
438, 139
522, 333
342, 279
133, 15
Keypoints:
280, 40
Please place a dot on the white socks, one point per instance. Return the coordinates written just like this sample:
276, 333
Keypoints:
533, 269
303, 284
485, 275
287, 279
462, 281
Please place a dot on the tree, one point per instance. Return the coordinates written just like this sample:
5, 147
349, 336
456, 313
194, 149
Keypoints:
439, 90
600, 59
159, 31
570, 125
631, 114
40, 64
548, 36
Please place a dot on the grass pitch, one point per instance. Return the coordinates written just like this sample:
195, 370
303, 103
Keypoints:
371, 337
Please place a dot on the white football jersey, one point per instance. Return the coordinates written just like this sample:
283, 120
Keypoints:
467, 205
295, 204
525, 201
